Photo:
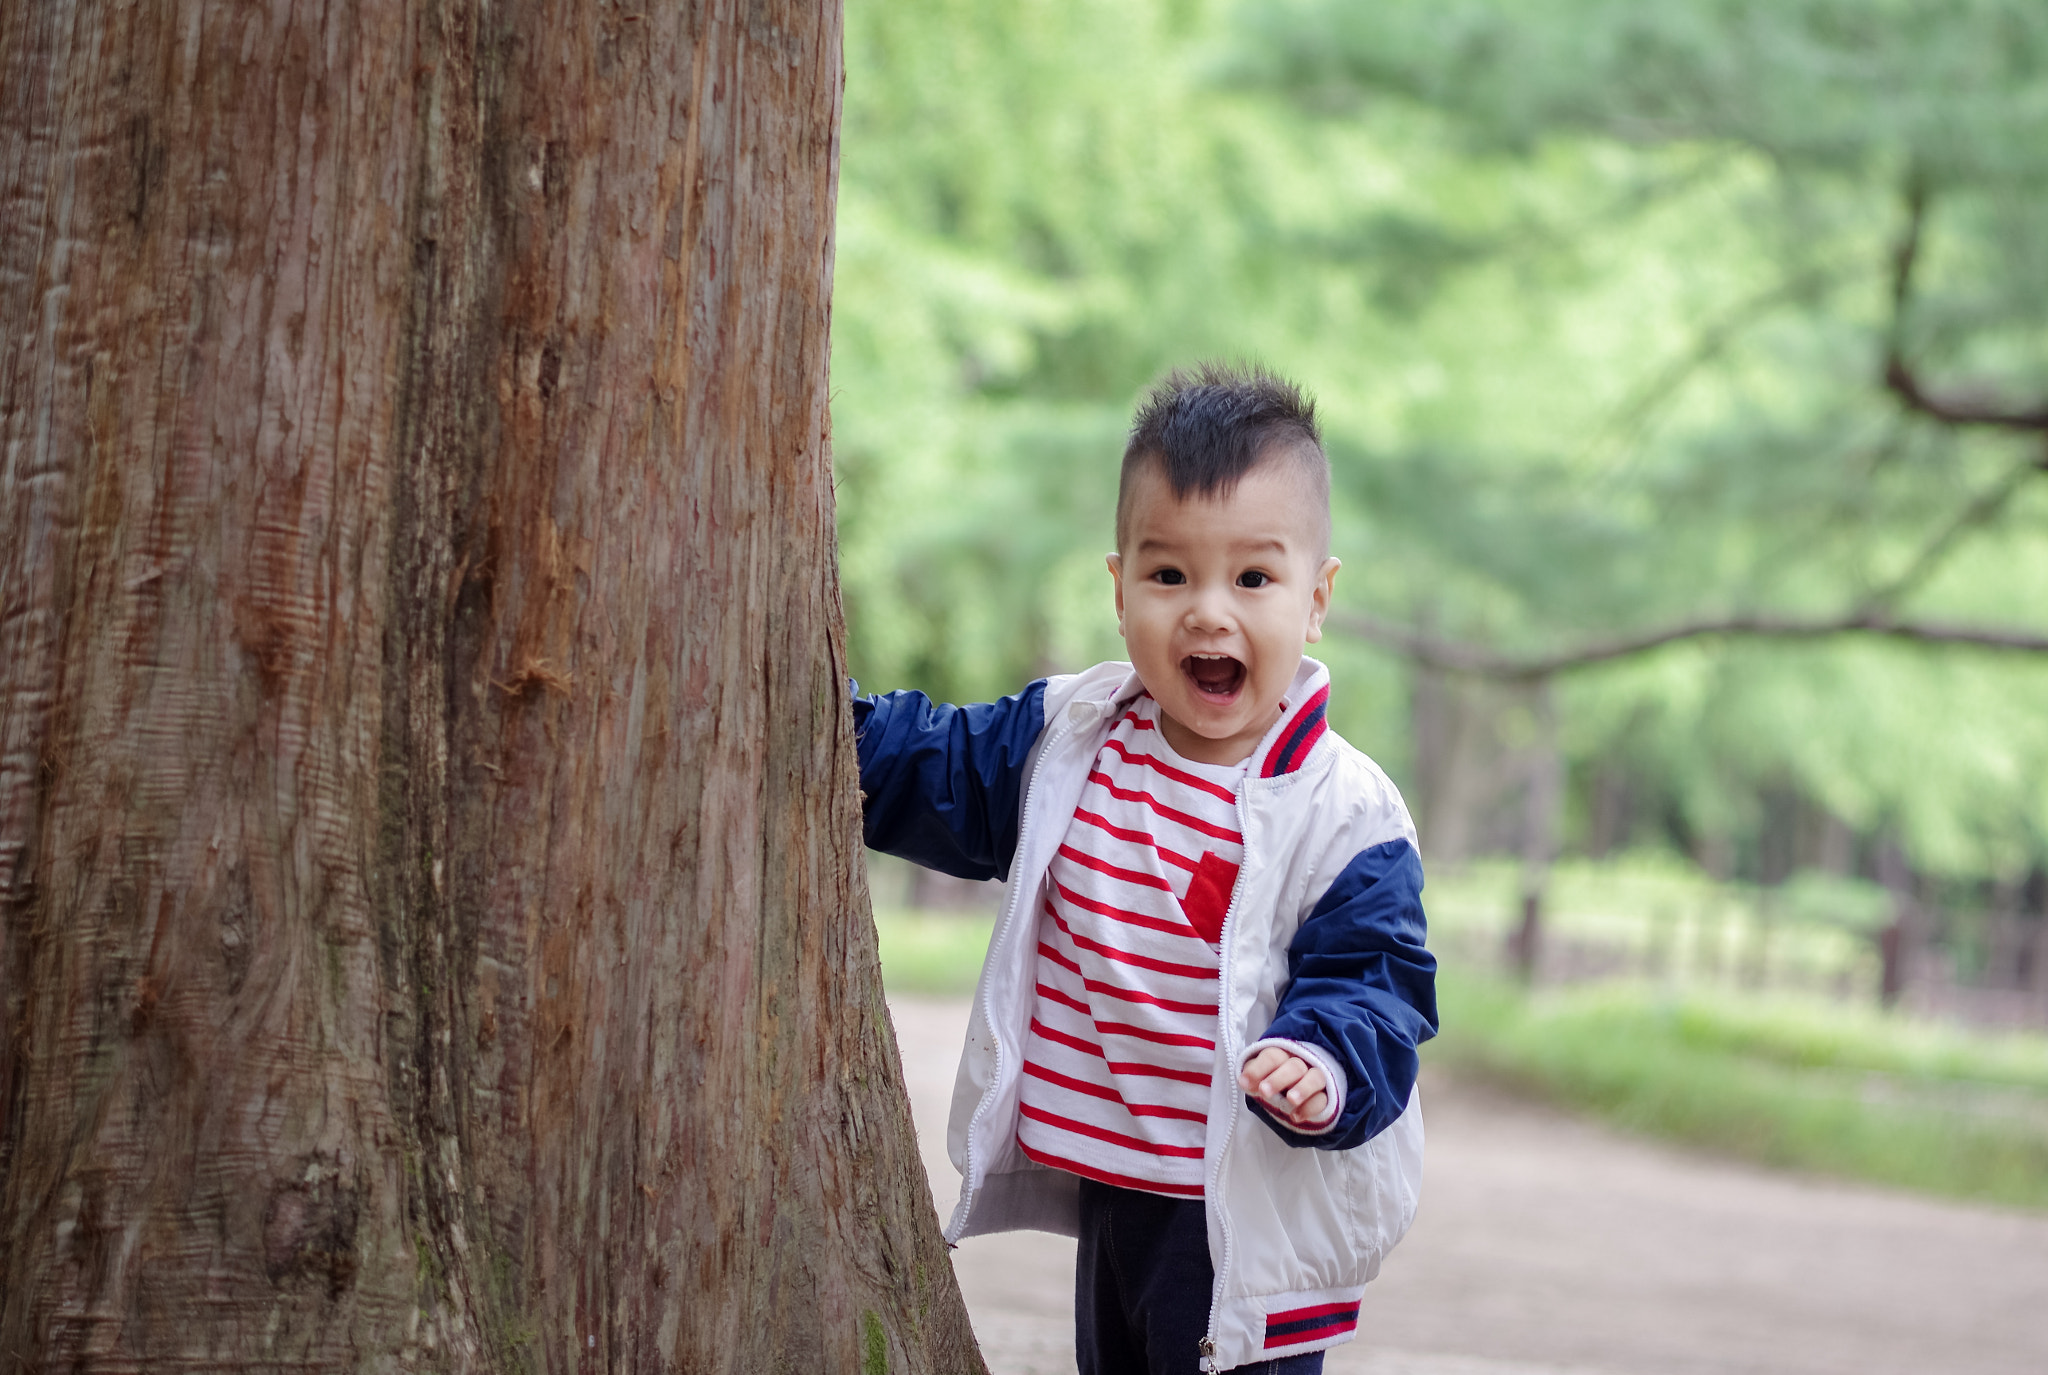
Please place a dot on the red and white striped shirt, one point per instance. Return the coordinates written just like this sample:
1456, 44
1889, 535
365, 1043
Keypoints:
1123, 1026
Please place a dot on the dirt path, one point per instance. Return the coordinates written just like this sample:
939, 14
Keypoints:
1547, 1246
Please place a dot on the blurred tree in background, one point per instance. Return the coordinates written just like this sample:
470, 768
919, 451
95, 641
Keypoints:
1626, 320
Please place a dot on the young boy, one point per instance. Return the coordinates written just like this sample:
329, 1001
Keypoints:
1193, 1044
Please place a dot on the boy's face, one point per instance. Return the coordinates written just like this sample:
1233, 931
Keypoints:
1215, 597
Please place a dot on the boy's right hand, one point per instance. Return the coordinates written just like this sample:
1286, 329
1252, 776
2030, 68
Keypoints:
1288, 1085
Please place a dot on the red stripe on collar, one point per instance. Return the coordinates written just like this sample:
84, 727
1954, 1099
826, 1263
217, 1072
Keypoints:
1298, 736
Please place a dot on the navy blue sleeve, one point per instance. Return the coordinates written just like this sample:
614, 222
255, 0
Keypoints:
943, 786
1362, 988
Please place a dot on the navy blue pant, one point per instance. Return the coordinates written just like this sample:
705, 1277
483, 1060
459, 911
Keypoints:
1141, 1287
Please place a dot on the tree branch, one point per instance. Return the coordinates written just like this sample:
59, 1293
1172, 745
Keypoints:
1899, 376
1981, 511
1478, 661
1959, 410
1874, 618
1624, 429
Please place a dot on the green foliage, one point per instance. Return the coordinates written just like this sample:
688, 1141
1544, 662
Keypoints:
1595, 297
1855, 85
1784, 1084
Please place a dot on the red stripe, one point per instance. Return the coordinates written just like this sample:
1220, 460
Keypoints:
1103, 866
1186, 819
1132, 718
1057, 958
1110, 1095
1126, 916
1071, 1042
1127, 995
1135, 837
1088, 1129
1310, 1334
1159, 1038
1304, 727
1185, 1076
1122, 1181
1132, 995
1349, 1309
1110, 952
1038, 1071
1159, 765
1045, 991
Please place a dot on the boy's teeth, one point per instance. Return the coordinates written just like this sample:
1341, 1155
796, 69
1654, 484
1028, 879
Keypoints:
1214, 673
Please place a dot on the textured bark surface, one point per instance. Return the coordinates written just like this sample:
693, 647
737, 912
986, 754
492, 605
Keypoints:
433, 929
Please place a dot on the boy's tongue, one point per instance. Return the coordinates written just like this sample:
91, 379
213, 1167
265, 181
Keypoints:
1214, 677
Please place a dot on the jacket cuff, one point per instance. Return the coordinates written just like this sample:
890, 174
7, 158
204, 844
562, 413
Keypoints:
1333, 1074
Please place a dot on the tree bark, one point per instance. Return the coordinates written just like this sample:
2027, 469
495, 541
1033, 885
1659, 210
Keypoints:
434, 934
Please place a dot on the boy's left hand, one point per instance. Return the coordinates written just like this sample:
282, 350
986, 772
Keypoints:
1288, 1085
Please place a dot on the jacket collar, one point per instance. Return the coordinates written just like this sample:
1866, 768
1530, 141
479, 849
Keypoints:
1301, 725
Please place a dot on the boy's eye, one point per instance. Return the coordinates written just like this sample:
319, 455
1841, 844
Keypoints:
1172, 577
1252, 577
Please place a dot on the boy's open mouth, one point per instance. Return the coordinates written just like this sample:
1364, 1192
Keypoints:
1216, 677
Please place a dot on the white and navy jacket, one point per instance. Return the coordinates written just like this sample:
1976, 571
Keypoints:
1322, 945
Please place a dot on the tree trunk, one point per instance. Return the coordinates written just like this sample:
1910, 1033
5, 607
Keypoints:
1895, 942
433, 932
1542, 806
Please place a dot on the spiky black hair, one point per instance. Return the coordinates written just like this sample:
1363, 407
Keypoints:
1206, 426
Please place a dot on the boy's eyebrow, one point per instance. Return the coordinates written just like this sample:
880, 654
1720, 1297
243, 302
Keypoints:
1254, 546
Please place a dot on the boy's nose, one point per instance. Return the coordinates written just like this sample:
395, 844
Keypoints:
1209, 609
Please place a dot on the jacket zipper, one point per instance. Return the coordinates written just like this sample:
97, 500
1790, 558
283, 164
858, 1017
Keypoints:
1224, 983
970, 1182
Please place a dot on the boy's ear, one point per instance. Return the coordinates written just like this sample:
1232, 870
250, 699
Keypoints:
1319, 599
1116, 575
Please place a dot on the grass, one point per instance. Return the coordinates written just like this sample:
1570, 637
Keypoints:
1795, 1084
1799, 1083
